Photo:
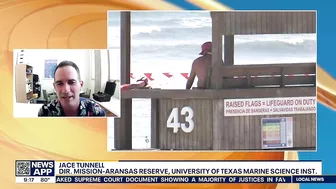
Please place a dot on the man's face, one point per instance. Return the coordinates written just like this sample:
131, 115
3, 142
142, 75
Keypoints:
67, 86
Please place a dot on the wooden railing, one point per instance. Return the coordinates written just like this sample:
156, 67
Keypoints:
275, 75
213, 130
219, 94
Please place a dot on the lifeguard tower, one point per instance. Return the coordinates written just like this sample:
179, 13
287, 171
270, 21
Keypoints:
195, 119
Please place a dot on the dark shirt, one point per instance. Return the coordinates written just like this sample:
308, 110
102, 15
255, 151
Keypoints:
86, 107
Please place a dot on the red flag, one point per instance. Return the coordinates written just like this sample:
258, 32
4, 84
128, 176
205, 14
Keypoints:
149, 76
168, 75
185, 75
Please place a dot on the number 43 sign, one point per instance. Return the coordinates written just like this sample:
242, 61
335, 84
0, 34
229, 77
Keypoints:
173, 120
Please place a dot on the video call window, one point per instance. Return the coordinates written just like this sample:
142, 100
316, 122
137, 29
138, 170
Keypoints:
66, 83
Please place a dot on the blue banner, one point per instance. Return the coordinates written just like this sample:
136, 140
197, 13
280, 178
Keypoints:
42, 168
173, 179
314, 179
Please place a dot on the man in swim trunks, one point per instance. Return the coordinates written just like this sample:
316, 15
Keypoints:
200, 67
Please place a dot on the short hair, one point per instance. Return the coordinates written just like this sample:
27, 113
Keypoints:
68, 63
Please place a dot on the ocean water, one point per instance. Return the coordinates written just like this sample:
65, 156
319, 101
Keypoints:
168, 42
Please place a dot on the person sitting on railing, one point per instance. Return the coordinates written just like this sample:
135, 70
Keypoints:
200, 67
140, 84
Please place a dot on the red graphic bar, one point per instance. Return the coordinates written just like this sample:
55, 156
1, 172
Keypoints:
185, 75
149, 76
167, 74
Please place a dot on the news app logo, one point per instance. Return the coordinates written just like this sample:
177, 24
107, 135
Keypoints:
34, 168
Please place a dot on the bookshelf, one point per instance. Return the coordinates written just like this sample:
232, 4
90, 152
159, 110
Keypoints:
24, 83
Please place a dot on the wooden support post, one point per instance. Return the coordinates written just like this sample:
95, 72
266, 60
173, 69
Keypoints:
123, 125
155, 123
229, 49
216, 82
217, 50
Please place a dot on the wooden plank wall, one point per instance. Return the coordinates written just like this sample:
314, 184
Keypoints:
199, 139
244, 132
265, 22
213, 131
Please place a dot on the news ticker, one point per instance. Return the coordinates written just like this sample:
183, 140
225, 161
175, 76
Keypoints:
50, 171
178, 179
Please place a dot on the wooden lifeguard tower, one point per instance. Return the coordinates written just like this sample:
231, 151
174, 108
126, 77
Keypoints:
208, 128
